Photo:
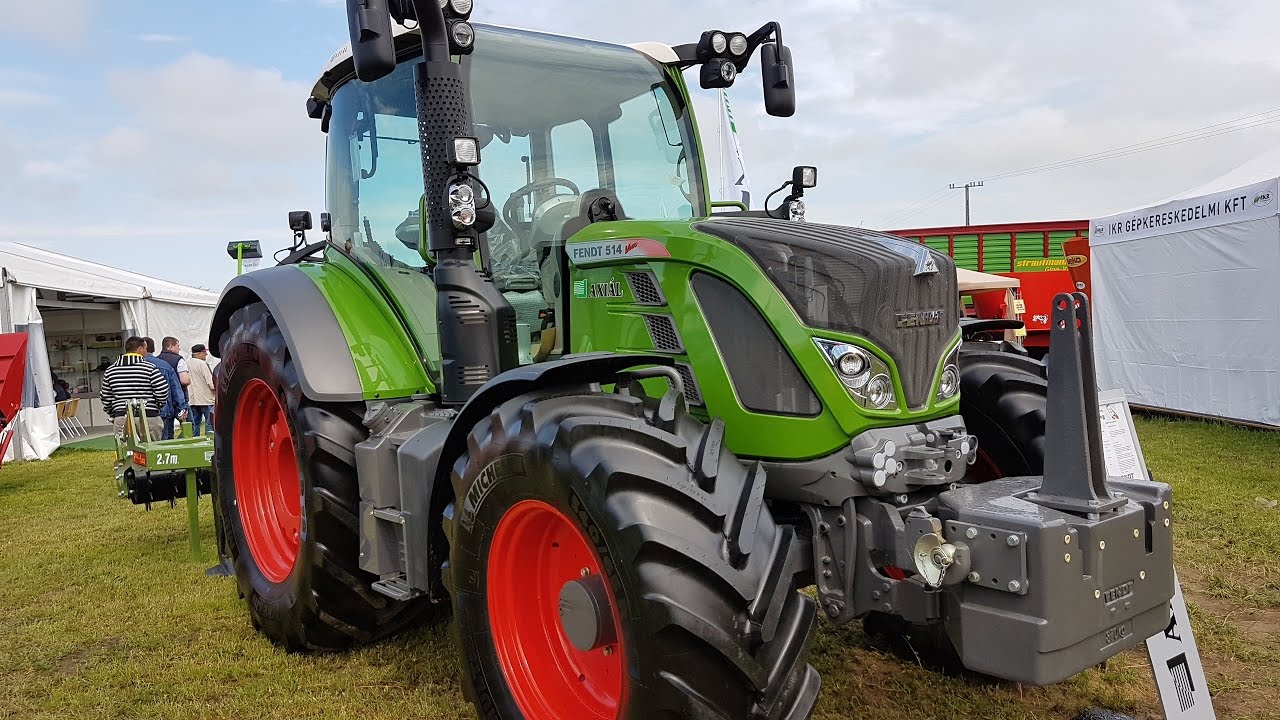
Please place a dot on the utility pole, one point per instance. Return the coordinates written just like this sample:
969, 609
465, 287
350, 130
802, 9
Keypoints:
966, 187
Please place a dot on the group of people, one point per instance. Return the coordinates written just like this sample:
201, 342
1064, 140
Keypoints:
172, 388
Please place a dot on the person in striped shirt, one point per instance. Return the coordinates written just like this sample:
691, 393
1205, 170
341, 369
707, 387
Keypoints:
131, 377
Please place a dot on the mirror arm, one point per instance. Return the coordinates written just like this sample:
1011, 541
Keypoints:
435, 42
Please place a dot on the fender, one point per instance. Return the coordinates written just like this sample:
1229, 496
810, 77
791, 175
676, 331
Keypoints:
346, 341
444, 447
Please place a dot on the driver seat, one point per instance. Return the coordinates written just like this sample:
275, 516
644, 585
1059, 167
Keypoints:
595, 206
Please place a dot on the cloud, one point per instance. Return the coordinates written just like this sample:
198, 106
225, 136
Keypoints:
64, 22
17, 97
209, 129
198, 152
159, 38
897, 98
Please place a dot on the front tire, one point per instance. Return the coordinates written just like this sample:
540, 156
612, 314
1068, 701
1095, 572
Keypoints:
288, 498
700, 604
1004, 398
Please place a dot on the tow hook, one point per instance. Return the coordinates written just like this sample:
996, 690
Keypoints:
939, 562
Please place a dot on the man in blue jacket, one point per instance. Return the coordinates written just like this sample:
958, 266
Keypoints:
176, 407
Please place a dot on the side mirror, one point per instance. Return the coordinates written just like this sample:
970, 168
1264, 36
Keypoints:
779, 83
371, 41
300, 220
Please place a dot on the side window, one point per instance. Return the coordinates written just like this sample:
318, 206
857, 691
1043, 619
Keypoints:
649, 164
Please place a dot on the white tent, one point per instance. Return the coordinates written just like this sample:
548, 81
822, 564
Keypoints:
1185, 299
33, 280
970, 281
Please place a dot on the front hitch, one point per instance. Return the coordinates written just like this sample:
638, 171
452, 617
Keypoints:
1033, 578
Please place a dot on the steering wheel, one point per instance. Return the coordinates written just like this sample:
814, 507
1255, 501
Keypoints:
523, 227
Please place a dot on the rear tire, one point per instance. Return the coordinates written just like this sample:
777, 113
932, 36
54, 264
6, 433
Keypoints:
701, 580
319, 600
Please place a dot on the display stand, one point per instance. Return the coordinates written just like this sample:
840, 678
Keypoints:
1175, 659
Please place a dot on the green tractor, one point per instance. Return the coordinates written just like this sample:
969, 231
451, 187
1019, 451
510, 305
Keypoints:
533, 374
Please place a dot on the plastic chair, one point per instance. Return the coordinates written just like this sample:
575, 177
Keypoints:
64, 428
72, 418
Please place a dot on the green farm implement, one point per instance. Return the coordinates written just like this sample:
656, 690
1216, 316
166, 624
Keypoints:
149, 470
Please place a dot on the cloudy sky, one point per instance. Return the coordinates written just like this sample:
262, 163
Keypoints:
147, 135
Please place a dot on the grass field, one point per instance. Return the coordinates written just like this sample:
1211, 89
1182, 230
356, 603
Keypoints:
103, 614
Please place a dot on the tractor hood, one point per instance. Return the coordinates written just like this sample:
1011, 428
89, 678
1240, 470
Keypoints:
900, 295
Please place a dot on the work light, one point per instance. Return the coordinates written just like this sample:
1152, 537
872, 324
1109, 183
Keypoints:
738, 44
805, 176
464, 151
719, 43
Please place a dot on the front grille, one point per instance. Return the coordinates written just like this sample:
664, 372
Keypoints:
859, 282
644, 288
764, 374
664, 334
692, 393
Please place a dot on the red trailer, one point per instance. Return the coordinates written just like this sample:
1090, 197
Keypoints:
1032, 252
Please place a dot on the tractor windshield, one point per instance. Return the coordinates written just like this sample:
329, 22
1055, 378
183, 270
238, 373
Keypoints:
556, 117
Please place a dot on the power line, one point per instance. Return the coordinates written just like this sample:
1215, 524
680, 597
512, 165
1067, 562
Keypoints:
1246, 122
889, 218
1146, 148
930, 206
1200, 133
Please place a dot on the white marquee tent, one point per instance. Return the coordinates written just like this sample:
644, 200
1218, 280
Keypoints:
35, 283
1186, 298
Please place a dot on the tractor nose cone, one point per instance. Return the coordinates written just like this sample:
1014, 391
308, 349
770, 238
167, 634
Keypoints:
585, 614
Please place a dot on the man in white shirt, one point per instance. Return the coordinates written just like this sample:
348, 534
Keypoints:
201, 391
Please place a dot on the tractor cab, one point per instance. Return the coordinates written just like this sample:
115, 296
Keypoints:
561, 136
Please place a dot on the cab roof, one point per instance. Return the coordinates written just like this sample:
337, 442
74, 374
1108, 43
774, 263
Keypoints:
341, 66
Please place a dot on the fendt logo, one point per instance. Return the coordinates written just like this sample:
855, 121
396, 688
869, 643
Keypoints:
920, 318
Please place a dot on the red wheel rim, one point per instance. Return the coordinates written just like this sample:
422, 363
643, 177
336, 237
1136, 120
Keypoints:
268, 491
535, 551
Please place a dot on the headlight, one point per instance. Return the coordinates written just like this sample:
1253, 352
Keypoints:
864, 375
464, 35
461, 195
728, 71
719, 43
852, 362
949, 385
796, 210
738, 44
461, 7
462, 205
880, 392
949, 382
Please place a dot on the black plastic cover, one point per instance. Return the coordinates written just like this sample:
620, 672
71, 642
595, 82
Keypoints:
898, 294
